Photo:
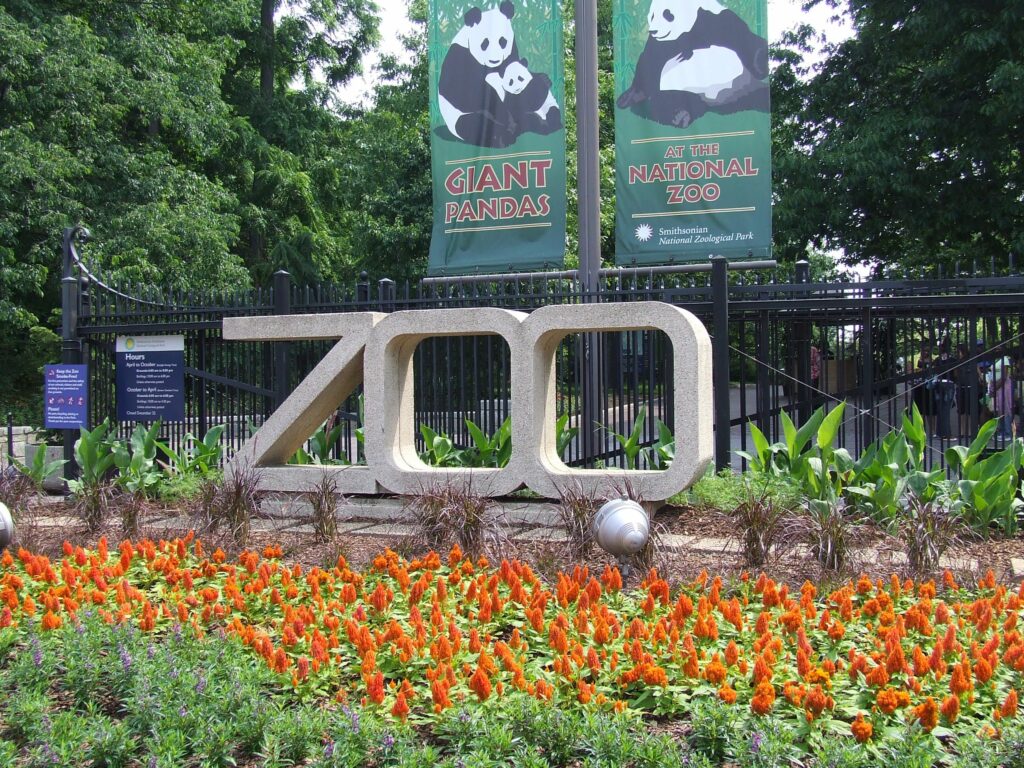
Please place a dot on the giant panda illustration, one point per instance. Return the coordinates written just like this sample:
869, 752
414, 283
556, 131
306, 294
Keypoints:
700, 57
473, 110
528, 98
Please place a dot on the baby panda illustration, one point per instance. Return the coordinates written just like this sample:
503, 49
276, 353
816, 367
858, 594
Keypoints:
472, 109
527, 97
700, 57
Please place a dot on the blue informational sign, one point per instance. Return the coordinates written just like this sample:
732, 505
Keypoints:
65, 396
150, 377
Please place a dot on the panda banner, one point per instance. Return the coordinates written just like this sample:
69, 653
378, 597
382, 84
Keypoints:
693, 140
497, 136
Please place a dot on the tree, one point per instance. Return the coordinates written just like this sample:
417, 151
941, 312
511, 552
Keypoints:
911, 148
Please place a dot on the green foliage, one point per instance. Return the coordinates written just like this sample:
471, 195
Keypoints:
194, 456
630, 443
94, 453
564, 434
440, 450
988, 485
880, 147
489, 450
40, 469
137, 471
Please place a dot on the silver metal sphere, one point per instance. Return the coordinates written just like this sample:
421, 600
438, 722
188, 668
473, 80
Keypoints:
621, 527
6, 527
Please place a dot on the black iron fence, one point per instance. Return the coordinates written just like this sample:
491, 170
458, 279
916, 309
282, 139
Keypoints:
790, 346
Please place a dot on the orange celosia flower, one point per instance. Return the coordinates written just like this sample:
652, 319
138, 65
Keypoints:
927, 712
890, 699
1009, 707
764, 698
401, 708
817, 701
480, 684
51, 621
727, 694
862, 729
375, 688
715, 672
950, 709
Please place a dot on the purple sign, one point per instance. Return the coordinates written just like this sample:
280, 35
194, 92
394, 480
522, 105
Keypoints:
65, 396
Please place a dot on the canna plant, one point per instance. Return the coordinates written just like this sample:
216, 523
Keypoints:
194, 456
488, 450
988, 485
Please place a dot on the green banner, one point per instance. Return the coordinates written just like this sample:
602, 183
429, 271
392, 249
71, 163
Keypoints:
497, 136
692, 131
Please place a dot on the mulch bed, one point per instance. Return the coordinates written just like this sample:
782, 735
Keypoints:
37, 533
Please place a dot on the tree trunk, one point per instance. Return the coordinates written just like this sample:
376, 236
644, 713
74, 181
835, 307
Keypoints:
267, 8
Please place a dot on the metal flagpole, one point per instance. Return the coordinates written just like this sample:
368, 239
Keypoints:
589, 191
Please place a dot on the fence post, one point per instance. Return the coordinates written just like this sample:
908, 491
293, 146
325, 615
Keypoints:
867, 378
71, 347
363, 289
802, 336
720, 358
385, 294
282, 306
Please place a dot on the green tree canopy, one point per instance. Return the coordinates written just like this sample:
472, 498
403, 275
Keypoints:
905, 149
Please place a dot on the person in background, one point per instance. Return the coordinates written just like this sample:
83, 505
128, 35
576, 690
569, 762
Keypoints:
965, 371
923, 397
1002, 395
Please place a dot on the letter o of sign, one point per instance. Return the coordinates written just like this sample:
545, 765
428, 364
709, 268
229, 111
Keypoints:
379, 350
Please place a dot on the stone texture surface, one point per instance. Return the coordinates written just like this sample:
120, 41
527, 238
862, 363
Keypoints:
1018, 567
389, 529
542, 534
388, 407
311, 402
385, 367
543, 331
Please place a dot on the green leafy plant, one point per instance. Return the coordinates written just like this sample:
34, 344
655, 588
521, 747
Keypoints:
489, 450
663, 452
631, 443
564, 434
789, 455
195, 456
40, 469
137, 471
94, 453
987, 484
440, 450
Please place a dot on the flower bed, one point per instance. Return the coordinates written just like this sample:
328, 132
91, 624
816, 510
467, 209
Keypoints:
413, 640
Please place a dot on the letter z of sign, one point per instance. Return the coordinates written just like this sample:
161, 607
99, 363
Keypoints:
311, 402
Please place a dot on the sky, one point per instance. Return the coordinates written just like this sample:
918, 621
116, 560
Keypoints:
783, 15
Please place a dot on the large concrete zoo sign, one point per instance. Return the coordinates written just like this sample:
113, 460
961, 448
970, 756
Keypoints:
377, 350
